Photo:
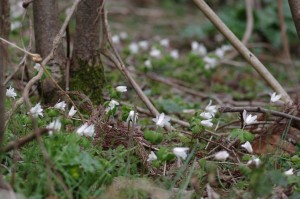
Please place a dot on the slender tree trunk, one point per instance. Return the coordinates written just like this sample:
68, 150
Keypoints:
46, 26
295, 9
4, 32
87, 72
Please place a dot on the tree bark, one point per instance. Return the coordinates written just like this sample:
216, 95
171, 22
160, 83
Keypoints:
87, 73
4, 32
46, 26
295, 9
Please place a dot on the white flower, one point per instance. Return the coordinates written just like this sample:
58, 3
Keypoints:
181, 152
115, 39
198, 49
155, 53
248, 119
11, 92
151, 157
111, 105
164, 43
247, 146
254, 161
220, 53
206, 115
144, 44
121, 89
275, 97
174, 54
132, 116
87, 130
37, 66
72, 112
226, 48
289, 172
60, 105
221, 155
212, 109
207, 123
148, 64
134, 48
123, 35
54, 126
36, 110
161, 120
210, 62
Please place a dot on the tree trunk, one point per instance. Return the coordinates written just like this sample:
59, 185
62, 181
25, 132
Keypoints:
4, 32
46, 26
87, 73
295, 9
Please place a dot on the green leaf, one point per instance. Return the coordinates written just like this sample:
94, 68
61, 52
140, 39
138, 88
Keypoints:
153, 137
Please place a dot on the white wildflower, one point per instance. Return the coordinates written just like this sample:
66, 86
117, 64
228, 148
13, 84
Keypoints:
37, 66
60, 105
148, 64
275, 97
123, 35
174, 54
212, 109
226, 48
247, 146
132, 116
210, 62
248, 119
289, 172
219, 52
72, 112
207, 123
144, 44
87, 130
181, 152
164, 43
36, 110
10, 92
254, 161
155, 52
198, 49
221, 155
151, 157
206, 115
115, 39
54, 126
111, 105
121, 89
133, 48
161, 120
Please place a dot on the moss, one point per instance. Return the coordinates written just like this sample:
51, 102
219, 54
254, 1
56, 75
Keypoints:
89, 78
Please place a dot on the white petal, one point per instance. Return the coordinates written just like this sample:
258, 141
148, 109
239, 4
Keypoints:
289, 172
247, 146
121, 89
72, 112
152, 157
181, 152
221, 155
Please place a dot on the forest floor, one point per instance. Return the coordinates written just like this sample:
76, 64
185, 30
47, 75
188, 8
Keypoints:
227, 138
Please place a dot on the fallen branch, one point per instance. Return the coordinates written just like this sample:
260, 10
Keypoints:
243, 50
24, 140
258, 110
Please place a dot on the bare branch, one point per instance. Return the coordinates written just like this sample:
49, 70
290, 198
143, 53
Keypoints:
243, 50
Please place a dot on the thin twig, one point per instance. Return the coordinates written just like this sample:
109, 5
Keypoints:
117, 60
243, 50
249, 26
258, 110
